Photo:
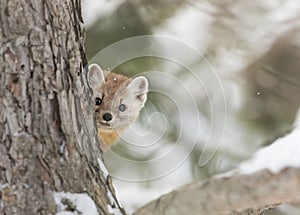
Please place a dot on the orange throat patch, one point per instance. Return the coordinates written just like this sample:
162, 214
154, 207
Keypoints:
108, 138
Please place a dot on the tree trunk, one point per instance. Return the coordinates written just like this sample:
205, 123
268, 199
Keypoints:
48, 141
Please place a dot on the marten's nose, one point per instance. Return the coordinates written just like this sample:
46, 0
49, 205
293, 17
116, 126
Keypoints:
107, 117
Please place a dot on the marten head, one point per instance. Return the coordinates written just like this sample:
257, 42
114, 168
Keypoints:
117, 98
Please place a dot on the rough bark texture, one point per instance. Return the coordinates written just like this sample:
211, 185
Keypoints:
240, 194
47, 133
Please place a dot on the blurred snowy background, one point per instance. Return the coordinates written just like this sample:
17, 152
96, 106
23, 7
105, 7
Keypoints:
252, 46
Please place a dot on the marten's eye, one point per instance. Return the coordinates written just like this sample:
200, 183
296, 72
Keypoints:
122, 107
98, 101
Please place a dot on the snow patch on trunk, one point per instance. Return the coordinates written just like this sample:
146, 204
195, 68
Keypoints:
74, 203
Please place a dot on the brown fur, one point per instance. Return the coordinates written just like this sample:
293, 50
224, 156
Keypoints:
108, 137
112, 84
114, 90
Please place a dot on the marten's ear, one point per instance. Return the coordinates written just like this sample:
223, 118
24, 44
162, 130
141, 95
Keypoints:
139, 87
95, 76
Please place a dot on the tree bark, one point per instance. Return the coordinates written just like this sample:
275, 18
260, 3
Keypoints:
48, 138
235, 195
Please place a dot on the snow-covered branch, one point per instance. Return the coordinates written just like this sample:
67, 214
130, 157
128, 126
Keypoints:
238, 194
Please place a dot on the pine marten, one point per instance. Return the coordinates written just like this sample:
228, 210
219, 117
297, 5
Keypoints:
118, 101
